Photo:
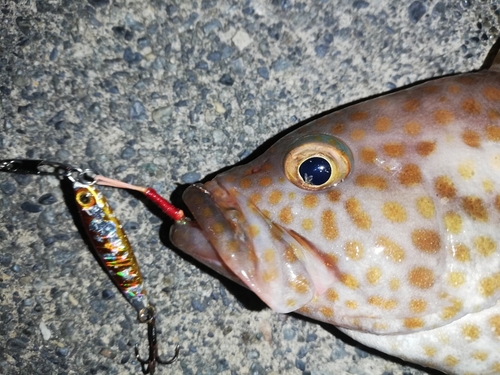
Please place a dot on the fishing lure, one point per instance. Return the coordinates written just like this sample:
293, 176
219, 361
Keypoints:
108, 240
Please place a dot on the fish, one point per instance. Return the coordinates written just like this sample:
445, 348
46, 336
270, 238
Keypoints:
380, 218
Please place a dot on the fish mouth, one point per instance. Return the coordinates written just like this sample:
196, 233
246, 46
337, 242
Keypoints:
235, 238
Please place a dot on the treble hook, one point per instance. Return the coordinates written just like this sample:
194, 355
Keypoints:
148, 366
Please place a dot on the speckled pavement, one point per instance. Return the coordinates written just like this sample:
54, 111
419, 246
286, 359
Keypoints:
162, 93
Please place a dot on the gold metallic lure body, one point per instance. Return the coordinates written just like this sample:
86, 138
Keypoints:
110, 244
398, 244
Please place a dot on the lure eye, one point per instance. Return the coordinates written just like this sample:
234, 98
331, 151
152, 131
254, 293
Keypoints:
318, 162
84, 198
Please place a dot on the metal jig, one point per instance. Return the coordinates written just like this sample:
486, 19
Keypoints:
108, 239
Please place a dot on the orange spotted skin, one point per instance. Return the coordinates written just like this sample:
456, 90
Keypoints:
404, 254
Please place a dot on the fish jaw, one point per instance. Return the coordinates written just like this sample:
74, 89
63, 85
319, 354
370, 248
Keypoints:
241, 243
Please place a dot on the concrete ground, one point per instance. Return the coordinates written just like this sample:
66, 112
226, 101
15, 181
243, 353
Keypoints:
164, 93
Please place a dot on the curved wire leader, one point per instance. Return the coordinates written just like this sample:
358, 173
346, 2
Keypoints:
148, 366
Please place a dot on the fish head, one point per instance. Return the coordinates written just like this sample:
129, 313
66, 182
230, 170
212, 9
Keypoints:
374, 218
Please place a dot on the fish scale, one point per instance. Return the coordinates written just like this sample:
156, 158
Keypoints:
402, 252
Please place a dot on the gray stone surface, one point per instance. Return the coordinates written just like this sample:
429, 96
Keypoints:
159, 93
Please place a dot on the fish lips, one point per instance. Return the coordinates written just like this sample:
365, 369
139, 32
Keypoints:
209, 231
233, 237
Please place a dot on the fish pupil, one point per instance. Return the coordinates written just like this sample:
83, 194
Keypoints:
315, 171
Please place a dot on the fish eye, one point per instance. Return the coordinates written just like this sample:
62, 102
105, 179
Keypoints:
318, 162
315, 171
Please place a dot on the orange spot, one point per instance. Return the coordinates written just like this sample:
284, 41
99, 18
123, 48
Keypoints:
337, 129
443, 117
425, 148
253, 231
451, 311
265, 181
327, 312
394, 212
382, 124
307, 224
471, 106
455, 278
373, 275
425, 207
269, 276
493, 133
453, 222
310, 201
328, 225
429, 351
333, 195
371, 181
421, 277
368, 155
300, 285
383, 303
269, 255
489, 285
245, 183
475, 208
411, 105
471, 138
480, 355
444, 187
454, 89
275, 196
354, 250
255, 198
426, 240
349, 281
418, 306
394, 284
353, 305
285, 215
358, 116
493, 114
451, 361
207, 212
413, 128
266, 167
461, 253
391, 249
218, 228
358, 134
331, 295
471, 332
360, 218
394, 150
289, 255
410, 175
413, 323
431, 89
491, 93
484, 245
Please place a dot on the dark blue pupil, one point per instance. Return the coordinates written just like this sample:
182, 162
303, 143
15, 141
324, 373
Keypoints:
315, 171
